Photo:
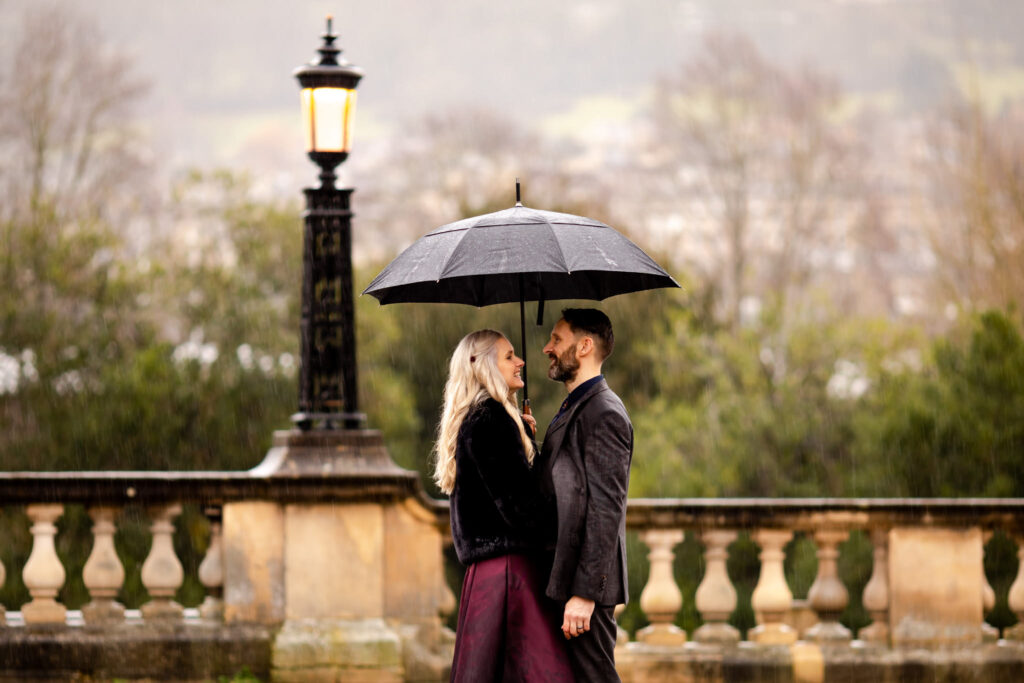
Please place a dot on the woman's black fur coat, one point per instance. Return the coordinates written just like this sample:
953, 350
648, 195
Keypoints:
496, 505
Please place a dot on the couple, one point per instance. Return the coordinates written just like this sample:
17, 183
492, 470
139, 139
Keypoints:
542, 531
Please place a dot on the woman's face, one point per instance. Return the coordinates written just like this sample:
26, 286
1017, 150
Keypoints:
509, 364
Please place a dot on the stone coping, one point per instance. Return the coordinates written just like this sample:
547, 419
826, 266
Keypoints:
390, 483
203, 487
813, 513
816, 513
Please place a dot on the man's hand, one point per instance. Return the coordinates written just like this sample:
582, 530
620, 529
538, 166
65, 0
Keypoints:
576, 621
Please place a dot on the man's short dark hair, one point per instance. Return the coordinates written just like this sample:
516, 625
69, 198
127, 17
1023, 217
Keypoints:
594, 323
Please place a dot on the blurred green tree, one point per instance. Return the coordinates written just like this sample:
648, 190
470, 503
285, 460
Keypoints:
954, 427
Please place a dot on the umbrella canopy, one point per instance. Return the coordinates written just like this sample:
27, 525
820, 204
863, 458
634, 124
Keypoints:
519, 254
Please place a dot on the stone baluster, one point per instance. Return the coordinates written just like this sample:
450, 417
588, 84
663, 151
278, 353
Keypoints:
3, 610
772, 597
1015, 598
876, 592
103, 573
661, 598
162, 573
446, 606
716, 596
43, 573
211, 570
989, 633
446, 602
621, 634
828, 596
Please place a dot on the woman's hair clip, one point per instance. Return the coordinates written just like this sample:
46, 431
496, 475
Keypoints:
472, 359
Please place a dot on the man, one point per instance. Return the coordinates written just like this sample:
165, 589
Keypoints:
585, 459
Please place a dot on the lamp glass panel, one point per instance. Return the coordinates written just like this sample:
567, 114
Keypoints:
327, 114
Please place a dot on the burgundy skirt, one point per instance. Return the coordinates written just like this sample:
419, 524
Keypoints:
508, 629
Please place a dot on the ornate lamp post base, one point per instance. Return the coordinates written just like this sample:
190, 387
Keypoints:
329, 453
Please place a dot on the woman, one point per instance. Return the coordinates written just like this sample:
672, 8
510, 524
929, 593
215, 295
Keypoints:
507, 630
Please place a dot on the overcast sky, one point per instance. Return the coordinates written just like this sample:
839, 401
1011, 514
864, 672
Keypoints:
222, 90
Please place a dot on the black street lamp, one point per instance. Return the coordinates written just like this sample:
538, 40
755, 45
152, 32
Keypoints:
327, 376
329, 452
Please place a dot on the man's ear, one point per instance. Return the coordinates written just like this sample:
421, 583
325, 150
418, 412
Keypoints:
585, 346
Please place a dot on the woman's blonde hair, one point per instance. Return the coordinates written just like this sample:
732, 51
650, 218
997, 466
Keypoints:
473, 377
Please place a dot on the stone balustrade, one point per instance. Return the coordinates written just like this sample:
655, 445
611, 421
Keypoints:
928, 591
301, 563
324, 561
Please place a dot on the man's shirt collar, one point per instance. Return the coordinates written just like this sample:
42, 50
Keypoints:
575, 395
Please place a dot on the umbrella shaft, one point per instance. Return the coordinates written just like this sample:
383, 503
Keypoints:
522, 337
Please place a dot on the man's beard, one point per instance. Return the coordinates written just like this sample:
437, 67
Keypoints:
564, 367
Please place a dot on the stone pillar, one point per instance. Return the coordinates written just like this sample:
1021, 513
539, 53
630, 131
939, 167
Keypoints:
716, 596
935, 578
989, 633
446, 604
350, 565
334, 590
415, 591
162, 573
103, 574
772, 597
828, 596
661, 597
876, 592
43, 573
1015, 598
253, 542
621, 634
3, 611
211, 570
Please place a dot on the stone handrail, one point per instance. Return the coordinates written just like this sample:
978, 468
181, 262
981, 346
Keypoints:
807, 512
122, 487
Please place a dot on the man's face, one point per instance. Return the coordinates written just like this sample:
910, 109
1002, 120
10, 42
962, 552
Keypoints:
561, 349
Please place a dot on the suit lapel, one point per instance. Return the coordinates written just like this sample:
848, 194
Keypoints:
554, 436
556, 432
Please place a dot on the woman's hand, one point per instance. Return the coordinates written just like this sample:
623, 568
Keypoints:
531, 422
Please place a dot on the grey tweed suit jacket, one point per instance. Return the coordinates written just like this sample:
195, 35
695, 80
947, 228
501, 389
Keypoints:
587, 454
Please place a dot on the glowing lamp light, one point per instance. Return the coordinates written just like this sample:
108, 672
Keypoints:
327, 115
328, 105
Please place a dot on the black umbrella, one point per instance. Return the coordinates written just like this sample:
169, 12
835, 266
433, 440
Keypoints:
519, 254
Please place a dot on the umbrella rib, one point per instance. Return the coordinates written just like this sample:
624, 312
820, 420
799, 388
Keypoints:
455, 248
561, 250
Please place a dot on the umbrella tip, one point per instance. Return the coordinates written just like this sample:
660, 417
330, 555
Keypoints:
518, 200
